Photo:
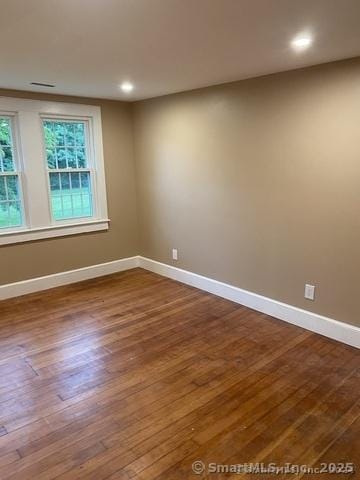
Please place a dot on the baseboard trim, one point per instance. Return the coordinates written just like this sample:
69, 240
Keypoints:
328, 327
65, 278
314, 322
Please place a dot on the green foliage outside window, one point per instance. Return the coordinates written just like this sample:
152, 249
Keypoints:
6, 155
65, 144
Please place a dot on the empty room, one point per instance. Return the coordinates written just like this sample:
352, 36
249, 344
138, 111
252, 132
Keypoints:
179, 239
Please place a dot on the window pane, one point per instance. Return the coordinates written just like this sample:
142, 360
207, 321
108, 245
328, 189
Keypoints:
75, 180
6, 146
85, 182
81, 157
50, 144
71, 195
65, 144
59, 131
3, 194
14, 214
69, 134
55, 181
71, 157
60, 154
65, 182
80, 134
10, 205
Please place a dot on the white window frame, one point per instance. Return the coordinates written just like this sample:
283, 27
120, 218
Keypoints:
90, 157
14, 133
32, 168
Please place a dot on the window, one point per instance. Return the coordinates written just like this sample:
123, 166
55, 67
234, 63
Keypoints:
10, 203
68, 166
52, 180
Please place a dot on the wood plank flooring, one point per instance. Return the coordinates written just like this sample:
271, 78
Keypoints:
135, 376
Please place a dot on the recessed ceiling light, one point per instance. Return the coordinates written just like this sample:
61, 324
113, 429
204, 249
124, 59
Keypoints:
301, 42
127, 87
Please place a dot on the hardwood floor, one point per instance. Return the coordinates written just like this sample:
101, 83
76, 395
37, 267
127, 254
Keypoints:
137, 376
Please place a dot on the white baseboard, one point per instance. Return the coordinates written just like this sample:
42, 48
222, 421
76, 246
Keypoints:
64, 278
328, 327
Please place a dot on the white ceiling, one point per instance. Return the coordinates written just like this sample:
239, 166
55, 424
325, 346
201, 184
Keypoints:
88, 47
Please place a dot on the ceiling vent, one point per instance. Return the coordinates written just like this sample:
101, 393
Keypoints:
40, 84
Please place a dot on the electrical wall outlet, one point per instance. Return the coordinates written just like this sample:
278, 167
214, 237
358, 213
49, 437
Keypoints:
174, 254
309, 291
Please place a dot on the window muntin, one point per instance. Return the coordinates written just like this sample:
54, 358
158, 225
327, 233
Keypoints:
10, 199
69, 171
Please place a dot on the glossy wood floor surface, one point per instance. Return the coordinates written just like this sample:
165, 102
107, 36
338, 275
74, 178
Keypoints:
137, 376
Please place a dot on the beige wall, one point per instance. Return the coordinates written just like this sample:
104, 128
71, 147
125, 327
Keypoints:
257, 183
20, 262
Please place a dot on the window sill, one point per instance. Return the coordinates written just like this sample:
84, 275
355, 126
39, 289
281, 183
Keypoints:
29, 235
